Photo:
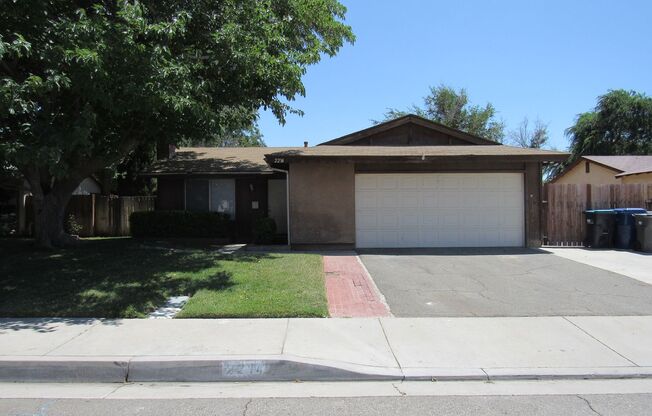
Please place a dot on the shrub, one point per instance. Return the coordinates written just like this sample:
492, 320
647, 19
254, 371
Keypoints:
182, 224
264, 230
72, 226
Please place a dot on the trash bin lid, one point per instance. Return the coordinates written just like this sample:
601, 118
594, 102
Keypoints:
604, 211
630, 211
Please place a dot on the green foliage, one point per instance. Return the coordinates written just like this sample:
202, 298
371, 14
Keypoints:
452, 108
247, 136
72, 225
620, 124
264, 230
180, 224
84, 82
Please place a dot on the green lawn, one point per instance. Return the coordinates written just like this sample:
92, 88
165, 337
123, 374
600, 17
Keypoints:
120, 277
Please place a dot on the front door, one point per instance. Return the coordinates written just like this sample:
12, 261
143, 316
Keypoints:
250, 204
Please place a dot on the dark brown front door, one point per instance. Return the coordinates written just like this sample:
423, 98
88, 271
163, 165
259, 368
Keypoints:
250, 203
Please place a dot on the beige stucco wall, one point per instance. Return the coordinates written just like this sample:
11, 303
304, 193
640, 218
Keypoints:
598, 175
322, 203
643, 178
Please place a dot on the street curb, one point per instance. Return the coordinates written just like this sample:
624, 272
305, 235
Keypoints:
64, 369
270, 368
257, 368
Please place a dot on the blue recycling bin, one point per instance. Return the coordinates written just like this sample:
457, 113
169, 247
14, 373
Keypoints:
626, 227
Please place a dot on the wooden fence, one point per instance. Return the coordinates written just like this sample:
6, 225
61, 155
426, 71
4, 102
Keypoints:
562, 216
100, 215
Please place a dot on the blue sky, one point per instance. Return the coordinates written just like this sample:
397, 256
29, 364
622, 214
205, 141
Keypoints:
540, 59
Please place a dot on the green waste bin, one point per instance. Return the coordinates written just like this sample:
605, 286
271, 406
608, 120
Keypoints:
600, 228
643, 232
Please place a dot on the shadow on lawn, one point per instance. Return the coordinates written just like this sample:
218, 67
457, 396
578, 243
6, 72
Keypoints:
103, 279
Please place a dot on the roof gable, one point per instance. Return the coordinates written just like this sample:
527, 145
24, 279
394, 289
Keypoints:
409, 130
624, 165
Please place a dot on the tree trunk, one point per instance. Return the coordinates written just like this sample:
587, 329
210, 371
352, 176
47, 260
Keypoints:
49, 216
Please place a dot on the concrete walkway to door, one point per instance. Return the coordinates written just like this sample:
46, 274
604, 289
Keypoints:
350, 290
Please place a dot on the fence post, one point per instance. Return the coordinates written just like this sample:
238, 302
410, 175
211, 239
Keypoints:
588, 196
544, 214
92, 227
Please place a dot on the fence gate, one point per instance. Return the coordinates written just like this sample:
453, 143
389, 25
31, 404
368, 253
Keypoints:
564, 204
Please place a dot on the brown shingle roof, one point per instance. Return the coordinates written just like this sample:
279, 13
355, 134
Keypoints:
211, 160
198, 160
627, 165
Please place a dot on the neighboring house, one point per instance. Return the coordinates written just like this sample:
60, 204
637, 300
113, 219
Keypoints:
607, 170
88, 186
408, 182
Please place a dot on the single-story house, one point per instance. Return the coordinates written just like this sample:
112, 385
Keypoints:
409, 182
607, 170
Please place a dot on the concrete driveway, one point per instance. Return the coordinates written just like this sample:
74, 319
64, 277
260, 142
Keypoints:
500, 282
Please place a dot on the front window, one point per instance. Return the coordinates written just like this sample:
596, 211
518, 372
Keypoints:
197, 195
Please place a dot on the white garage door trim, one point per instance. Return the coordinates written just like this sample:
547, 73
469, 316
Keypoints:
439, 210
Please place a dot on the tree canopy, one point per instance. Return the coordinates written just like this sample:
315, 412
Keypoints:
534, 137
452, 108
620, 124
84, 82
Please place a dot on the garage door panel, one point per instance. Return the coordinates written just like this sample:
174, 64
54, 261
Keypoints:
410, 182
389, 219
365, 199
449, 199
387, 200
388, 182
410, 199
439, 210
367, 220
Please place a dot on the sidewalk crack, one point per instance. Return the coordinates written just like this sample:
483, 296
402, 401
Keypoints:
390, 345
401, 392
246, 407
588, 404
112, 392
73, 338
607, 346
285, 336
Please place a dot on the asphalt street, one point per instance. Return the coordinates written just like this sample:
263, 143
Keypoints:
532, 398
579, 405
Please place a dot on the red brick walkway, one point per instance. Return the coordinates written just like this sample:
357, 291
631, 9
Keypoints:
350, 290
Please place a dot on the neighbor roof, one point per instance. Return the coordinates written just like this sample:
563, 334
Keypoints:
407, 119
625, 165
209, 160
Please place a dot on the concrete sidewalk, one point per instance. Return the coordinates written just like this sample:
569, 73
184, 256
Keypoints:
325, 349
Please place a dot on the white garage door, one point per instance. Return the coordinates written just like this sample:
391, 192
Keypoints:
439, 210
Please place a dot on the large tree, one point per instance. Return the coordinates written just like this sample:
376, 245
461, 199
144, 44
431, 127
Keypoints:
452, 108
620, 124
85, 82
534, 137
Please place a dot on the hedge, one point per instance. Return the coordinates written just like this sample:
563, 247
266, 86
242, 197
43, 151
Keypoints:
180, 224
264, 230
